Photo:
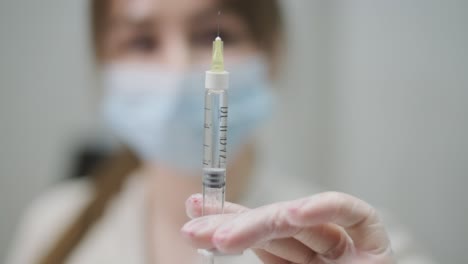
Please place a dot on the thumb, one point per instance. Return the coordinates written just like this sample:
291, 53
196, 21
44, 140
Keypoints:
194, 204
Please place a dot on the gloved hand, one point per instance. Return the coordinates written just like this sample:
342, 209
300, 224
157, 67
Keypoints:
325, 228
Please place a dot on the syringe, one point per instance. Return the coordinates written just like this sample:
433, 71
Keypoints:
215, 141
216, 126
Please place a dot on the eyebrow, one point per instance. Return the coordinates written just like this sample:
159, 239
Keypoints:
127, 22
205, 16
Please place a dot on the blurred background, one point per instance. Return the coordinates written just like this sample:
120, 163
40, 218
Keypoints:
373, 102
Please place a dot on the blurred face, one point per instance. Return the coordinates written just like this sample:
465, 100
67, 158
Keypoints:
176, 34
151, 50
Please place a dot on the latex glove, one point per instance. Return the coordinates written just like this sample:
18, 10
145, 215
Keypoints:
325, 228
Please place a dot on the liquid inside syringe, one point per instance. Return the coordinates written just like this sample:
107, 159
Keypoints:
215, 150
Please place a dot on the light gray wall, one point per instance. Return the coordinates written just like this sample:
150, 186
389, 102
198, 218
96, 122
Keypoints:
373, 101
374, 104
400, 113
44, 90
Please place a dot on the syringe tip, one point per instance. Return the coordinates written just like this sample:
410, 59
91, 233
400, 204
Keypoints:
217, 64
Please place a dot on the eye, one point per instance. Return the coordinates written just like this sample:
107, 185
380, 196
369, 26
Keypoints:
143, 43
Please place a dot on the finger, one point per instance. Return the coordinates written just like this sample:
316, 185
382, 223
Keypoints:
199, 231
253, 228
268, 258
327, 240
193, 207
357, 217
267, 228
289, 249
194, 204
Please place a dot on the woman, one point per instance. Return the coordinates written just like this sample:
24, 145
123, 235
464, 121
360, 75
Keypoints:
151, 56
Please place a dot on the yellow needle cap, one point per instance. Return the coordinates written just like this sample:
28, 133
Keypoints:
217, 64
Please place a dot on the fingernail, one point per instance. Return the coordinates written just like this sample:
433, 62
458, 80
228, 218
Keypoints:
196, 198
193, 206
296, 206
299, 205
293, 209
194, 225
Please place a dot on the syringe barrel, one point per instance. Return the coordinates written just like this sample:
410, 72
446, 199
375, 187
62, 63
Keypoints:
215, 142
216, 126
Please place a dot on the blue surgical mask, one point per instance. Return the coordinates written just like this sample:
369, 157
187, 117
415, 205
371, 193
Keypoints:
159, 114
